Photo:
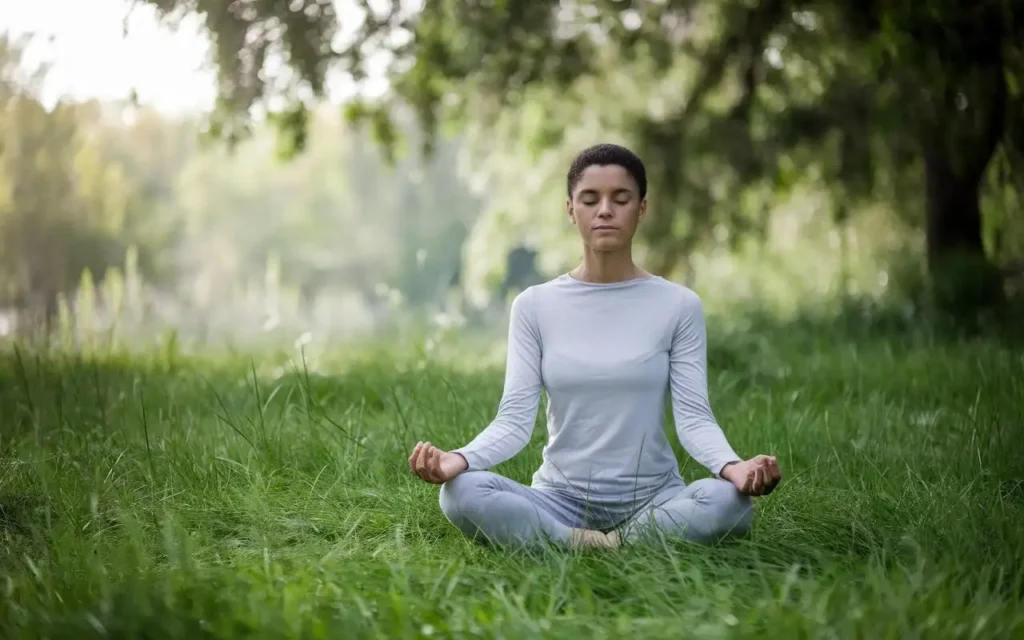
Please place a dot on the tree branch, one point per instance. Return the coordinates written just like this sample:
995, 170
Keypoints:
666, 138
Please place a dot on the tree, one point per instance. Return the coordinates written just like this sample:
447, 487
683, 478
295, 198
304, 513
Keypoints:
63, 208
338, 217
907, 101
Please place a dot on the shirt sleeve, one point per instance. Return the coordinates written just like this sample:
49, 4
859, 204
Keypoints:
510, 431
698, 431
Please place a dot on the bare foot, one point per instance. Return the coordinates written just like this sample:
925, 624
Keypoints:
589, 538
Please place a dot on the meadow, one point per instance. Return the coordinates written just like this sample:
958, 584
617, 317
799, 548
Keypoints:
158, 495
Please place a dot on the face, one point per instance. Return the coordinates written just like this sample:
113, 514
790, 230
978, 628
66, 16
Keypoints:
606, 207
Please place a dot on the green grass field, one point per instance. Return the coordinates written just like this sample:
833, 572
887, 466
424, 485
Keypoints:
201, 498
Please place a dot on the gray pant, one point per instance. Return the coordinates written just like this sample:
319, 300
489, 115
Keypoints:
485, 505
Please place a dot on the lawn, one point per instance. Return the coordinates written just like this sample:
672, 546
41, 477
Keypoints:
160, 497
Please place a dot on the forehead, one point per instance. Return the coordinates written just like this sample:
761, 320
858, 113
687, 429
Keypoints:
602, 178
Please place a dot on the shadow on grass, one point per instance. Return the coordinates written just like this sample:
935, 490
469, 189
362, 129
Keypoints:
17, 513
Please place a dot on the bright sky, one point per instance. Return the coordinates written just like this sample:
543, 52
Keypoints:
91, 57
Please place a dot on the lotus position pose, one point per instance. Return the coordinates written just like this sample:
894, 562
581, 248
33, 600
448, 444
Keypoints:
606, 342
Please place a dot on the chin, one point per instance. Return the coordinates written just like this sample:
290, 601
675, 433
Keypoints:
607, 244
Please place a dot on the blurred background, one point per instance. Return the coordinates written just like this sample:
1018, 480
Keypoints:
262, 172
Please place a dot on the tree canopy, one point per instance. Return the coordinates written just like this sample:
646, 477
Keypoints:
113, 193
729, 101
63, 207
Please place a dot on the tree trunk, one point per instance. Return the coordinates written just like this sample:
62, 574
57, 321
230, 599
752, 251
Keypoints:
963, 279
957, 150
954, 214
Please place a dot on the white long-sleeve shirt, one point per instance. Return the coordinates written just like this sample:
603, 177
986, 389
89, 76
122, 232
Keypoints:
607, 354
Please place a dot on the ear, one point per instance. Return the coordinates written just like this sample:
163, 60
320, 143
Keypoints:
643, 210
570, 211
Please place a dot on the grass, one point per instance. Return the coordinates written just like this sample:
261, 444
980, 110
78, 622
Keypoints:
198, 498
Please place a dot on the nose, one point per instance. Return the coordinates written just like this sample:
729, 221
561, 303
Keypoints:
605, 210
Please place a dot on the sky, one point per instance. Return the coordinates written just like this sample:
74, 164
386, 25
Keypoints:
91, 57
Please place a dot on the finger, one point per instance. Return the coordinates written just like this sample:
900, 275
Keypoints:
757, 486
434, 463
421, 459
439, 470
427, 454
412, 456
776, 472
434, 466
433, 456
749, 482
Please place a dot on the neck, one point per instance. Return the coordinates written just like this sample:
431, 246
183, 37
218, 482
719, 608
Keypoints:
607, 266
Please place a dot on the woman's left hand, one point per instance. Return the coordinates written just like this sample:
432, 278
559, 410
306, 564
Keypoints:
755, 477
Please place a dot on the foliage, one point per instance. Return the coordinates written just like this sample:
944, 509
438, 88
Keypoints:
302, 39
63, 207
791, 142
215, 497
86, 186
340, 216
898, 103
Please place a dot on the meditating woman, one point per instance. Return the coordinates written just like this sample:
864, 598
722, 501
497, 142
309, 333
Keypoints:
606, 341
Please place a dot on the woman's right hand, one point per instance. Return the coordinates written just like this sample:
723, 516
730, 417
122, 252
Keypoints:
435, 466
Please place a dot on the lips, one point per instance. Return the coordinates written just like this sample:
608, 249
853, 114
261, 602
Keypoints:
605, 227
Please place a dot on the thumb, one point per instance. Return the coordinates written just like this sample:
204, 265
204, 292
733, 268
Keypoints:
435, 464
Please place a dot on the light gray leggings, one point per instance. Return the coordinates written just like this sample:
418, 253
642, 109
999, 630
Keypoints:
488, 506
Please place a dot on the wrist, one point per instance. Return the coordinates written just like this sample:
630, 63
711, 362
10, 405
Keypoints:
728, 469
461, 463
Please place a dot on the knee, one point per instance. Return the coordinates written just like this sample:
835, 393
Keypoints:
460, 494
730, 512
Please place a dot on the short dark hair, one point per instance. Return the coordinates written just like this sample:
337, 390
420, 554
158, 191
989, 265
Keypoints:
603, 155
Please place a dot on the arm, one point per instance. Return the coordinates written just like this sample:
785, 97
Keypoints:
696, 426
510, 430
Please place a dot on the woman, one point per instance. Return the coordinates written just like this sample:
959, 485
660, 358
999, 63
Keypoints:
606, 342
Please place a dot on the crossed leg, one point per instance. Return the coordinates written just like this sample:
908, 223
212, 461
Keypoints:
705, 511
485, 505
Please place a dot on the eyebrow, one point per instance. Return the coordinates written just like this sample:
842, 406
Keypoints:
594, 191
